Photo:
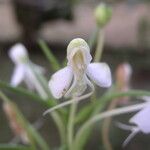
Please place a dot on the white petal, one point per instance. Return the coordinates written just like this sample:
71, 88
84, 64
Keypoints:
100, 74
18, 53
141, 119
60, 82
18, 75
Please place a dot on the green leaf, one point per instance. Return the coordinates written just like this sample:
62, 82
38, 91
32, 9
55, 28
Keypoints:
32, 134
14, 147
37, 137
19, 91
49, 55
23, 92
48, 103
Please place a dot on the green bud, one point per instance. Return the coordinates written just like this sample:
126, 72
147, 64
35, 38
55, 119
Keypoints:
103, 14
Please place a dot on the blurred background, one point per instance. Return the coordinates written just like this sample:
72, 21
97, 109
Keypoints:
59, 21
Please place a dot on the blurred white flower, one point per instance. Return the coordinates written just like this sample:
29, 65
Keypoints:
140, 121
73, 80
24, 70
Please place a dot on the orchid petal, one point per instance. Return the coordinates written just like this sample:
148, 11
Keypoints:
60, 82
141, 120
18, 75
18, 53
100, 74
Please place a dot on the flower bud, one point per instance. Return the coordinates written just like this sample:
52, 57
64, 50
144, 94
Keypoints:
103, 14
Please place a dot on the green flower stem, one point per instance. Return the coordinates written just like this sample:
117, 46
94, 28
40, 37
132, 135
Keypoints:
98, 52
51, 58
92, 40
86, 126
100, 45
60, 126
71, 122
39, 140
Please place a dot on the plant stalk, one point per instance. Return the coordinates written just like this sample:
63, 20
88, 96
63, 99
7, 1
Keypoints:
100, 46
71, 124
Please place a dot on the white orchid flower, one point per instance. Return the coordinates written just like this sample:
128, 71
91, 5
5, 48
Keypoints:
73, 80
140, 121
24, 70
